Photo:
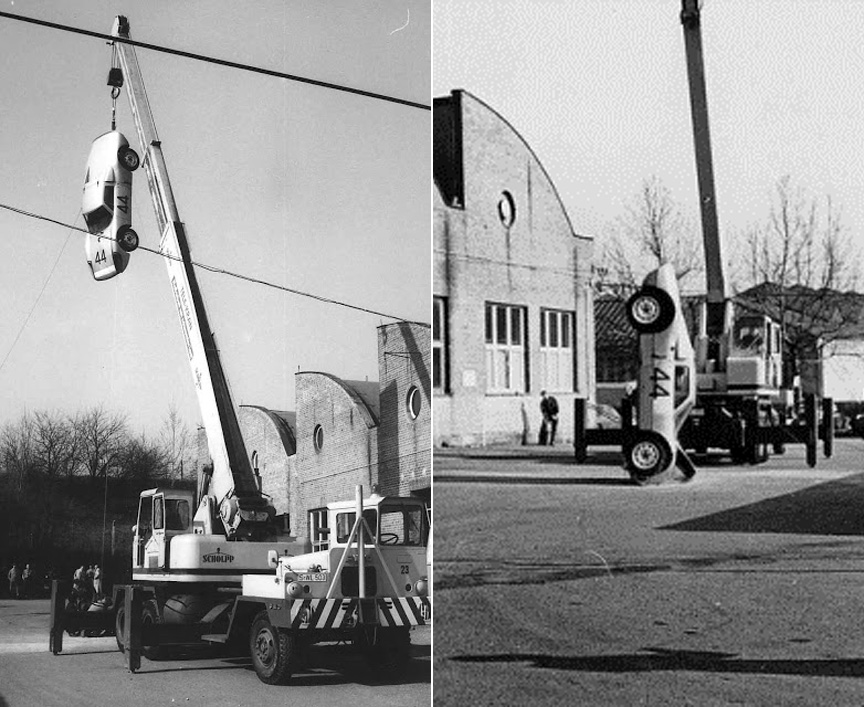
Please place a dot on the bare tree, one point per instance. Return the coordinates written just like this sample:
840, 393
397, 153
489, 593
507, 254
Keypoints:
141, 459
16, 451
651, 232
800, 269
100, 437
174, 442
54, 444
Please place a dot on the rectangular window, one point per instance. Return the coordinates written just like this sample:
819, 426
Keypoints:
319, 533
556, 350
440, 356
506, 349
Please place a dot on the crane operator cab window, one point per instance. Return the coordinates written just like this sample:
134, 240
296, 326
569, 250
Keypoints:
177, 514
144, 528
749, 336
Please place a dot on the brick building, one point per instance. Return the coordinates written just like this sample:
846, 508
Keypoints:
512, 305
343, 433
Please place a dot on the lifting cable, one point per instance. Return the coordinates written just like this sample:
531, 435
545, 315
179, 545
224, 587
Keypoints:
115, 81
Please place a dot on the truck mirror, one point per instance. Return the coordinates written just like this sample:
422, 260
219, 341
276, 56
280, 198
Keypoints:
272, 558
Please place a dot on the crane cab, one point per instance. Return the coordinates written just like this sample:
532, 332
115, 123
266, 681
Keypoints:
754, 365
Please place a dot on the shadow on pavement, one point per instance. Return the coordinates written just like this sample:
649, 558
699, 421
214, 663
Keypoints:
662, 659
333, 665
509, 479
831, 508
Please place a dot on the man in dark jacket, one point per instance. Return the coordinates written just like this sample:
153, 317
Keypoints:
549, 409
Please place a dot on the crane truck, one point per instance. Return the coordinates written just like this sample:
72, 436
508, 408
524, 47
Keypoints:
218, 571
726, 391
740, 406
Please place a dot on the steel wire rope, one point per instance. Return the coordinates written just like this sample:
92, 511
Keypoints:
222, 271
41, 292
214, 60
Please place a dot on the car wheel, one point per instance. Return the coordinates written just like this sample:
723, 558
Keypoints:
127, 239
128, 158
647, 455
650, 310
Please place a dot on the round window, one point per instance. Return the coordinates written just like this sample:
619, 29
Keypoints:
506, 209
413, 402
318, 437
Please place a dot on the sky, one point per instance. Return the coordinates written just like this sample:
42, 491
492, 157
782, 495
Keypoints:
599, 91
313, 189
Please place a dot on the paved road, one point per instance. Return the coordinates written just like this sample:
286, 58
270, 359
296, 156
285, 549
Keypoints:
91, 672
557, 584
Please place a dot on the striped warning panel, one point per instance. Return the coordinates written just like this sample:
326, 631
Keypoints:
322, 613
404, 611
336, 613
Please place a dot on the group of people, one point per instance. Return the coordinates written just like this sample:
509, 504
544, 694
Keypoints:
87, 582
20, 581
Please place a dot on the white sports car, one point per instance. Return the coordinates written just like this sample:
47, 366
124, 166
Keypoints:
107, 205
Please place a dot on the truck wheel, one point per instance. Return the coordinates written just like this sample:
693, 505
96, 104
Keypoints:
150, 617
650, 310
273, 651
120, 628
646, 456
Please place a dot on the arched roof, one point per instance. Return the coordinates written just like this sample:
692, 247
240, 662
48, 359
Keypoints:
364, 394
285, 424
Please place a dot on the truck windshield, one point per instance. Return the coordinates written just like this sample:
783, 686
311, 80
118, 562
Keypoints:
403, 525
345, 523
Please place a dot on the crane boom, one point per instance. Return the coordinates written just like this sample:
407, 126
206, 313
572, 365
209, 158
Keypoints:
234, 485
712, 241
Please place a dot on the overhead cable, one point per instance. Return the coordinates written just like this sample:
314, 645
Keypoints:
222, 271
214, 60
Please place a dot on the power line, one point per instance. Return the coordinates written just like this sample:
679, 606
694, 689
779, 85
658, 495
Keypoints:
222, 271
214, 60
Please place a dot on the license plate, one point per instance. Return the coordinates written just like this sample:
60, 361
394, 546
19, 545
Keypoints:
312, 577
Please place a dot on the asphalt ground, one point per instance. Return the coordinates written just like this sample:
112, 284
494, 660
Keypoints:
91, 672
557, 583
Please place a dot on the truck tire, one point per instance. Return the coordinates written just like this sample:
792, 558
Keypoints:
273, 651
120, 627
149, 617
650, 310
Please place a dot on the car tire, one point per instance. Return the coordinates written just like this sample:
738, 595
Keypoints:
647, 455
650, 310
127, 239
128, 158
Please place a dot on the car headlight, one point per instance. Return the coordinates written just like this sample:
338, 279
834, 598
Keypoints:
421, 587
295, 590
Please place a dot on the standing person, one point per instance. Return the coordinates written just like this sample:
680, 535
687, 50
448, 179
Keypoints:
549, 409
97, 581
14, 579
27, 580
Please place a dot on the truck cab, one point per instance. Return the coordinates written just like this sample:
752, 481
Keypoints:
394, 538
